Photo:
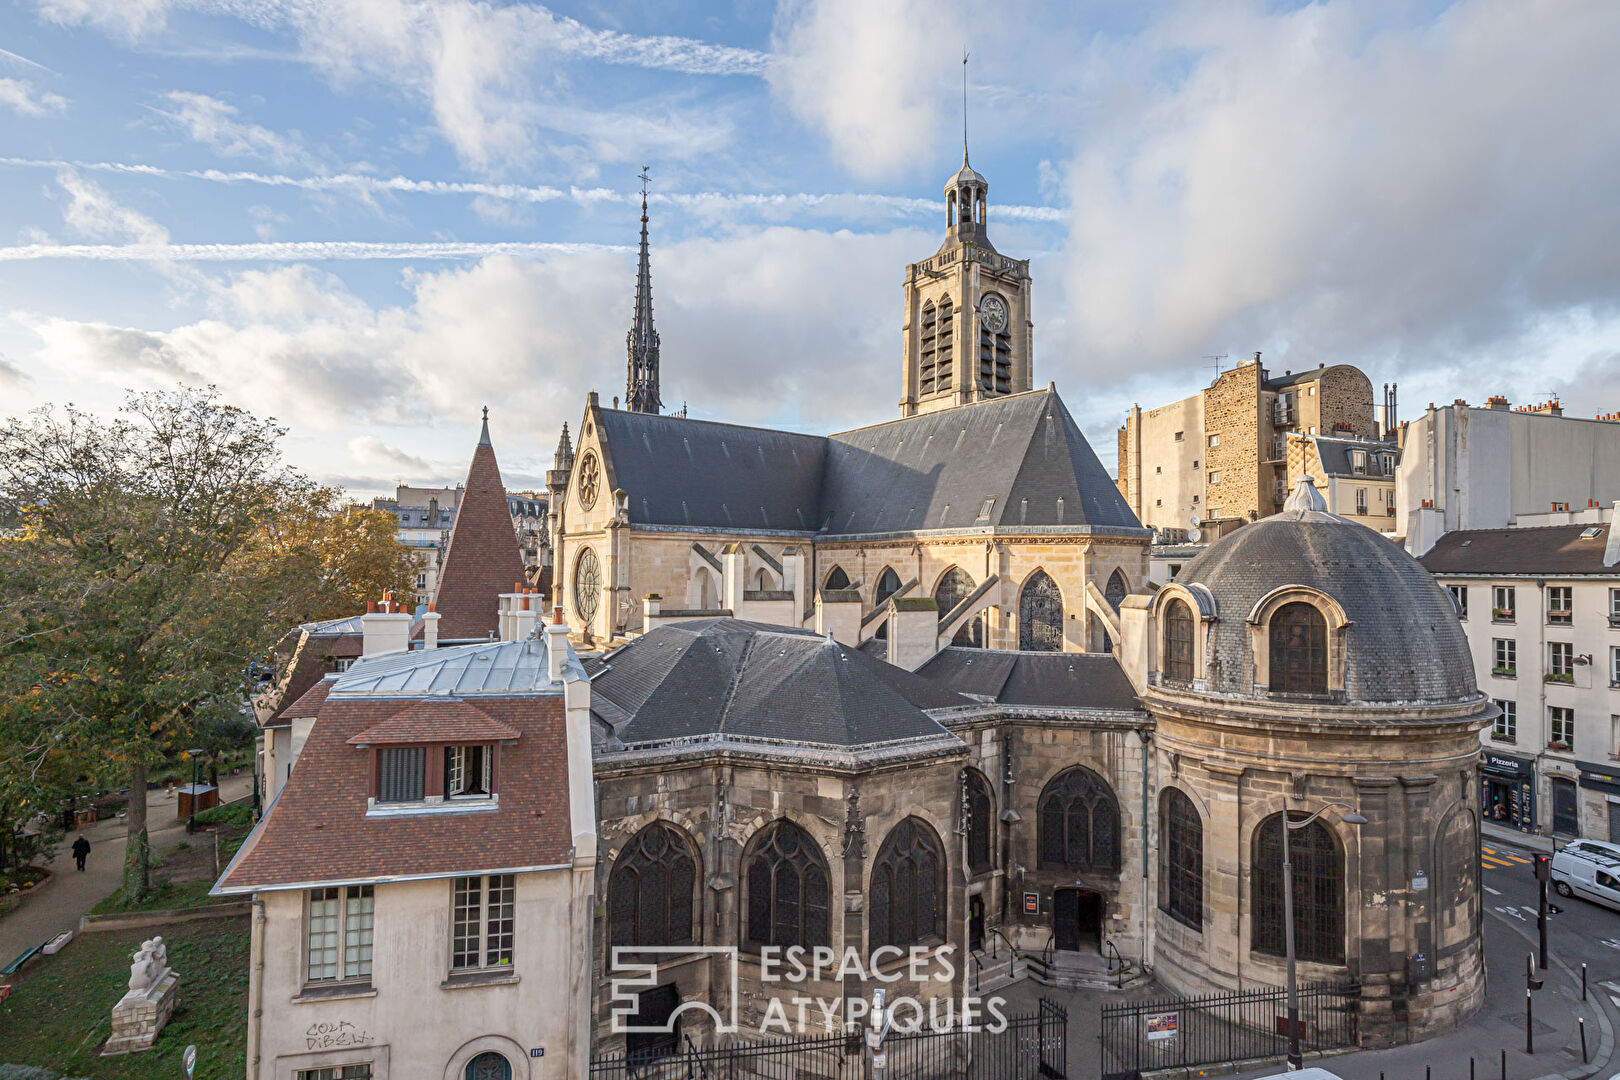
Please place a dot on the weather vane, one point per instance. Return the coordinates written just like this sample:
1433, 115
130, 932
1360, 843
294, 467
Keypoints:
645, 179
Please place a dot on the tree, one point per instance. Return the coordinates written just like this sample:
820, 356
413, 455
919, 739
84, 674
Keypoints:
349, 555
144, 583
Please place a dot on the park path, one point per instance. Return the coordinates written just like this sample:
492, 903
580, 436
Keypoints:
57, 905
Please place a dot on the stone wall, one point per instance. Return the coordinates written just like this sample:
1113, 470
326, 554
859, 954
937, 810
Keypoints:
1232, 408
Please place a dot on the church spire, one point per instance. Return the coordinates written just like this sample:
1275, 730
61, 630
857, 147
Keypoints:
966, 193
641, 382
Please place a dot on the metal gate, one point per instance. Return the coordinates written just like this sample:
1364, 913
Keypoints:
1144, 1036
1027, 1048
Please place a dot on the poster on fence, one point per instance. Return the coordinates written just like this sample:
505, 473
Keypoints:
1161, 1026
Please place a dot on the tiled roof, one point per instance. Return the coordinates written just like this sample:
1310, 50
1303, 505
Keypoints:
751, 681
483, 559
1060, 680
1022, 455
317, 831
436, 722
1334, 454
1548, 549
308, 706
309, 660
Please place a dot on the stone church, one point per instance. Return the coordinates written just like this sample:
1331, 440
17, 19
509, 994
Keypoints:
983, 503
907, 686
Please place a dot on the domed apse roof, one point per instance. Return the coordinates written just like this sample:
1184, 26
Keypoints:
1404, 642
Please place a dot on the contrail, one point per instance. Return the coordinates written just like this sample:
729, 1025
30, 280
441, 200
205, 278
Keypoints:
297, 251
897, 205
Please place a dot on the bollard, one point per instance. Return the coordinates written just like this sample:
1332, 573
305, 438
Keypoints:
1504, 1065
1583, 982
1583, 1040
1470, 1067
1427, 1070
1529, 1032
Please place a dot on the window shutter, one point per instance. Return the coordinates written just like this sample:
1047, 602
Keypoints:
403, 771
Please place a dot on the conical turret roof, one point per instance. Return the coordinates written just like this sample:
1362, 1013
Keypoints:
483, 559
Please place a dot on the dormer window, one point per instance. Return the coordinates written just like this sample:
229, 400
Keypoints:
469, 772
1358, 462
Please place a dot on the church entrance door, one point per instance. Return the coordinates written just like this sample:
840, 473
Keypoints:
975, 922
1076, 919
653, 1009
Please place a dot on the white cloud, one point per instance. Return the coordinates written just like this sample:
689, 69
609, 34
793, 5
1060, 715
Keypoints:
374, 457
95, 215
1396, 195
213, 122
92, 212
20, 96
480, 69
874, 77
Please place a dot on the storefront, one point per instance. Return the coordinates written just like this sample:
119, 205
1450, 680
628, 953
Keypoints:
1508, 790
1600, 786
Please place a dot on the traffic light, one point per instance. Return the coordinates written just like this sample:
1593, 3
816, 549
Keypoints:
1543, 866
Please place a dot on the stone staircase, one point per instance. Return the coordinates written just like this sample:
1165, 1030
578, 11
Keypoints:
1071, 970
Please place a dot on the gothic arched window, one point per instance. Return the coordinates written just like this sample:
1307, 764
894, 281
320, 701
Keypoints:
1040, 615
1181, 854
488, 1066
786, 889
907, 899
652, 892
954, 587
981, 821
1318, 873
587, 584
888, 584
945, 338
837, 579
1178, 642
928, 344
1078, 824
1456, 892
1116, 591
1298, 655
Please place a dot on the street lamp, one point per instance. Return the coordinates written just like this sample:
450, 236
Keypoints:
1295, 1060
196, 761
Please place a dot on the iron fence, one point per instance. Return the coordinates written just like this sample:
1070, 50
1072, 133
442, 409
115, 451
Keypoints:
1026, 1048
1144, 1036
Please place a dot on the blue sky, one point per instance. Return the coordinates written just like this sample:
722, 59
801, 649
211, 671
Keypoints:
370, 217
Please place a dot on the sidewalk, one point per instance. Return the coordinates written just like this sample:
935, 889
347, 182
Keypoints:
57, 905
1500, 1026
1534, 843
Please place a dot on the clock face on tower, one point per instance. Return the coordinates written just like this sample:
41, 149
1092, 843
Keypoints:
993, 313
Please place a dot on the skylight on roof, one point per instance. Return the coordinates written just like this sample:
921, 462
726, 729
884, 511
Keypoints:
1592, 533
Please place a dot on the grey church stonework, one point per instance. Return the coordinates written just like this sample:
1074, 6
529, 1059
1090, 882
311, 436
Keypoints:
907, 686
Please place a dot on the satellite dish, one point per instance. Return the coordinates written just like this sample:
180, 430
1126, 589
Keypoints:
1193, 521
1194, 535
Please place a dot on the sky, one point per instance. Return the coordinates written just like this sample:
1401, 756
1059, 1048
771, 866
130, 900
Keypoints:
369, 218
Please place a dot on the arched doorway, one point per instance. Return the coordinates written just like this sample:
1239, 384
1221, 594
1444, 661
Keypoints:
1077, 919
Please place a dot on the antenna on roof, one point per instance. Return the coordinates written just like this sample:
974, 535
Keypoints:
964, 106
1216, 360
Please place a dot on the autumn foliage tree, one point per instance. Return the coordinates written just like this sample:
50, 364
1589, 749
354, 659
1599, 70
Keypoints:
160, 554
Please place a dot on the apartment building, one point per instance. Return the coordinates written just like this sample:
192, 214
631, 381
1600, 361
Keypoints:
1221, 457
1355, 476
1492, 466
1541, 610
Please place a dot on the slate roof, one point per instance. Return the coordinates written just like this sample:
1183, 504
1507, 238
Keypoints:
436, 722
750, 681
483, 559
1404, 642
696, 472
496, 667
1548, 549
1057, 680
317, 831
1295, 378
316, 645
1023, 453
1336, 461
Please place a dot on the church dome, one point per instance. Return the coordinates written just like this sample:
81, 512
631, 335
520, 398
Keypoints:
1392, 633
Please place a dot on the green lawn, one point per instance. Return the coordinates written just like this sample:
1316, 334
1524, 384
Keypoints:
59, 1012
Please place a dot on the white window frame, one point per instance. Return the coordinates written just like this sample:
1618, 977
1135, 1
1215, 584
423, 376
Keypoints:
1361, 501
1563, 608
1614, 665
455, 772
1215, 477
1614, 737
1459, 600
1358, 462
1508, 611
1505, 657
1561, 658
1506, 728
1614, 606
1561, 721
1214, 441
479, 942
344, 919
360, 1070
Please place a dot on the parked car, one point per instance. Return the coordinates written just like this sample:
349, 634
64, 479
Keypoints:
1589, 869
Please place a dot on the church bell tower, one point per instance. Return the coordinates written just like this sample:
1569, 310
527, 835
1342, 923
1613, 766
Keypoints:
968, 335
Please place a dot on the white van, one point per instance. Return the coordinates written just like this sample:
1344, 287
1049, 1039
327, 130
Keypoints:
1589, 869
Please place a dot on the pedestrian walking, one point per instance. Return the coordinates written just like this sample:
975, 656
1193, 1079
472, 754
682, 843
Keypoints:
81, 851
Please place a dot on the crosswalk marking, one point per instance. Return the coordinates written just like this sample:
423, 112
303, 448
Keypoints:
1500, 860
